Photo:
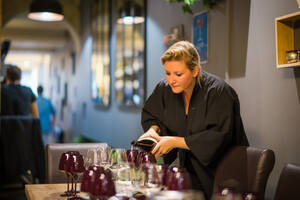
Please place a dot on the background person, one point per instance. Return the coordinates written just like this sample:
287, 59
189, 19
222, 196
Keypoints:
193, 113
15, 98
47, 117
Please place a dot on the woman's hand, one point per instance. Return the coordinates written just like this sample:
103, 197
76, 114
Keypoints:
151, 133
166, 144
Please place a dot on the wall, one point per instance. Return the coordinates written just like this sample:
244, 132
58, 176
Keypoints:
242, 53
113, 125
269, 96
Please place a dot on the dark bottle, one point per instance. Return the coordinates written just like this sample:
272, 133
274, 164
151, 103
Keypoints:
145, 144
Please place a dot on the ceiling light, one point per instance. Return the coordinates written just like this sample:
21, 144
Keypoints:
46, 10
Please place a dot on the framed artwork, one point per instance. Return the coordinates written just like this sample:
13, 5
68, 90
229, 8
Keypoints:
200, 40
130, 53
100, 59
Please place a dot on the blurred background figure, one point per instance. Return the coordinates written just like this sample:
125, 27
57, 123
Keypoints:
47, 117
4, 50
17, 99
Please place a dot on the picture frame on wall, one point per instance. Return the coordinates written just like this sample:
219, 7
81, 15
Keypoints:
200, 35
130, 70
101, 57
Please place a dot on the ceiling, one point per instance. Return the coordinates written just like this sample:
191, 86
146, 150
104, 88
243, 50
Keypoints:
27, 34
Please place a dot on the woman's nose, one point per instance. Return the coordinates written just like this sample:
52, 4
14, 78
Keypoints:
173, 80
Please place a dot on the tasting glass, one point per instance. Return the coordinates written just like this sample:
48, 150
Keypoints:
132, 155
178, 179
104, 186
151, 179
145, 157
117, 159
104, 156
91, 158
64, 166
76, 167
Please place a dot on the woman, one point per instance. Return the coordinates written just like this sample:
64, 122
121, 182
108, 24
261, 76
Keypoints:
193, 113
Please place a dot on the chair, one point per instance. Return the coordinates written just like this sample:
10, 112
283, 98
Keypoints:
22, 155
288, 184
245, 169
53, 153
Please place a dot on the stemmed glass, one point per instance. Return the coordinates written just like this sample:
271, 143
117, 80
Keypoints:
162, 170
91, 158
76, 167
103, 186
145, 157
178, 179
104, 156
152, 178
89, 177
64, 167
117, 160
132, 156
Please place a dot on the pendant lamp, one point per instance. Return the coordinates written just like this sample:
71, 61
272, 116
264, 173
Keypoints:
130, 13
46, 10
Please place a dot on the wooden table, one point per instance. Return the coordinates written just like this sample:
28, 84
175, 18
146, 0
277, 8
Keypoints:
45, 191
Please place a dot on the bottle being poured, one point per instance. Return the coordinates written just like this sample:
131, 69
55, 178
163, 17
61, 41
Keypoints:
145, 144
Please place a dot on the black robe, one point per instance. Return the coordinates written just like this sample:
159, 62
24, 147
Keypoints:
212, 126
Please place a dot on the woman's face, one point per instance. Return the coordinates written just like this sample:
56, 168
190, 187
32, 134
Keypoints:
180, 77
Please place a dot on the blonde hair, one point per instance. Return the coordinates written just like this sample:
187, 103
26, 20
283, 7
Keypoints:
186, 52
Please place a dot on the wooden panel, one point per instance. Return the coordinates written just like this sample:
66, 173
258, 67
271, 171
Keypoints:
289, 65
289, 17
285, 41
287, 32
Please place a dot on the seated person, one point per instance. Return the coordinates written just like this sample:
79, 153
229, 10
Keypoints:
15, 98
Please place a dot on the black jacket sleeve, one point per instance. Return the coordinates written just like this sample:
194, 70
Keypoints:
152, 109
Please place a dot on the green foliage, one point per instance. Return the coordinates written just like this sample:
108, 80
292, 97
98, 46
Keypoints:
187, 4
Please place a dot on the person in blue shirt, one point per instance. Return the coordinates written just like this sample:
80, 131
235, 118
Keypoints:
47, 117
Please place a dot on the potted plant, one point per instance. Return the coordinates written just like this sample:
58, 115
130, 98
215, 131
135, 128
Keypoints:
187, 4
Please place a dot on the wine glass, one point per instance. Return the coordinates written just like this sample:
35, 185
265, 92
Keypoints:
117, 160
103, 186
76, 167
225, 193
145, 157
91, 158
249, 196
64, 166
124, 179
89, 177
104, 156
162, 170
178, 179
151, 179
132, 155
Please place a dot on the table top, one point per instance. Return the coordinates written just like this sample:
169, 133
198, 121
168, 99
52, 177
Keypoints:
45, 191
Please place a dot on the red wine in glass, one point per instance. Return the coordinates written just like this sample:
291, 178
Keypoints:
132, 155
89, 177
145, 157
64, 166
162, 169
178, 179
104, 186
249, 196
76, 167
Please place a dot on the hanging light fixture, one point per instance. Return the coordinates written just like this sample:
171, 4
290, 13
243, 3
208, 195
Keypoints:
131, 13
46, 10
